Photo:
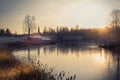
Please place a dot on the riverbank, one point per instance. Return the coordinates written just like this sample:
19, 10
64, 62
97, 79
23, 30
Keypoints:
111, 47
13, 69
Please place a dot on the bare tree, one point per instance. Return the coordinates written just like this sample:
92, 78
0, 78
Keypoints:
29, 24
115, 24
115, 15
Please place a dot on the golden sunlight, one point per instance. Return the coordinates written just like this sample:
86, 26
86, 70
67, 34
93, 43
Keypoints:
101, 57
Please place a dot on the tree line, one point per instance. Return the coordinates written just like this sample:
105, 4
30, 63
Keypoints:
5, 32
65, 34
111, 34
107, 36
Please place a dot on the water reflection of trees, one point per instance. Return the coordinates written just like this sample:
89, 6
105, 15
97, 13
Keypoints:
113, 70
111, 58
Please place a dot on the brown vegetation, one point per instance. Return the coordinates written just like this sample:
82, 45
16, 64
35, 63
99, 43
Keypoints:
12, 69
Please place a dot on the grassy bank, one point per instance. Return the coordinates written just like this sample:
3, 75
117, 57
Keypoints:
12, 69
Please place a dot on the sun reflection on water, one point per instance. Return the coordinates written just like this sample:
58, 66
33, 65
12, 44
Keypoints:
101, 57
83, 61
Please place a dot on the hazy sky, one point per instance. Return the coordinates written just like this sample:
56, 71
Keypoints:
50, 13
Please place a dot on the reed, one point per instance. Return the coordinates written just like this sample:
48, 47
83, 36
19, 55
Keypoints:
13, 69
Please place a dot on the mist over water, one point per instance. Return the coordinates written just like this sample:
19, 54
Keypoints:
87, 62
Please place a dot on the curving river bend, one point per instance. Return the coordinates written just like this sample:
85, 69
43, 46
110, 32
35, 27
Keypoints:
88, 62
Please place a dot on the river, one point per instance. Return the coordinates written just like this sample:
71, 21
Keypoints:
87, 62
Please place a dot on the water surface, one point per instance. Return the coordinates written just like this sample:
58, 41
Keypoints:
88, 62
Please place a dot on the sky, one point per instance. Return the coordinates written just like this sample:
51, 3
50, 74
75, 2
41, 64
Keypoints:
52, 13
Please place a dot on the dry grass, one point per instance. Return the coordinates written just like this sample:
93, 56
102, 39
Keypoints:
15, 71
12, 69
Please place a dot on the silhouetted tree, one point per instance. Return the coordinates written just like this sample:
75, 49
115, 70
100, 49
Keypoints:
115, 23
115, 15
38, 30
76, 27
29, 24
71, 30
45, 29
8, 31
2, 31
51, 30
